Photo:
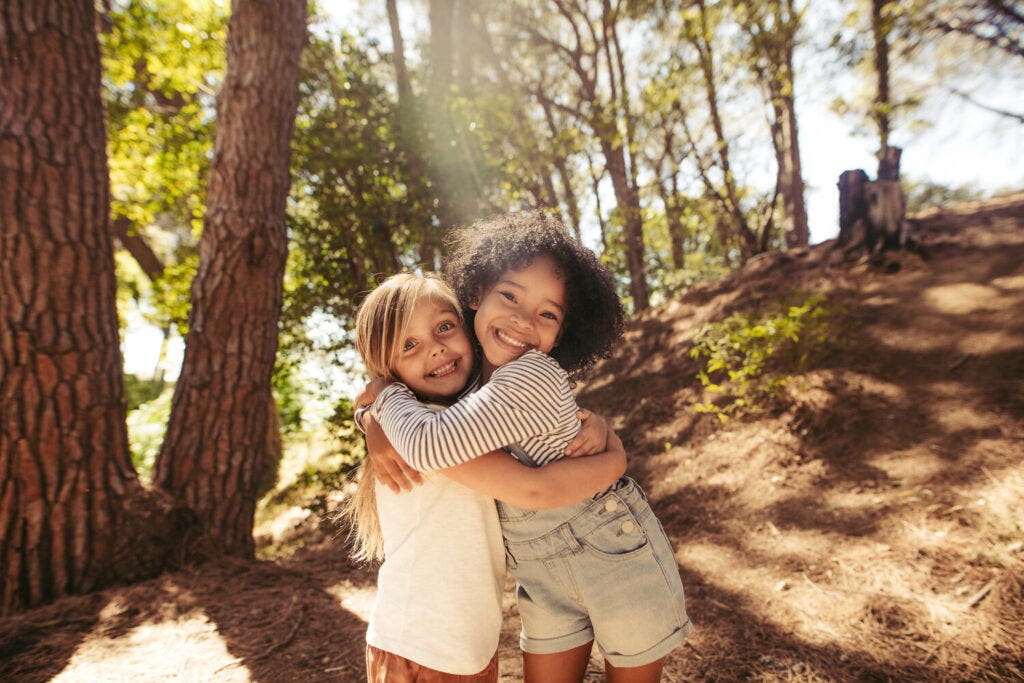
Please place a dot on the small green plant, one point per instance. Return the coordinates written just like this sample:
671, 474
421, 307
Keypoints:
747, 359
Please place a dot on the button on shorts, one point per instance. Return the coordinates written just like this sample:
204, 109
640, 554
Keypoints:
599, 570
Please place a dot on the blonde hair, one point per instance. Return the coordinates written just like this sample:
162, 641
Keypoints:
381, 324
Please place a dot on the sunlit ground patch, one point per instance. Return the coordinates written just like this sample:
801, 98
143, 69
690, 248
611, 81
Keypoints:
184, 649
358, 601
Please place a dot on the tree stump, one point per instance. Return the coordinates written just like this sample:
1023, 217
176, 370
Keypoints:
884, 200
871, 211
852, 207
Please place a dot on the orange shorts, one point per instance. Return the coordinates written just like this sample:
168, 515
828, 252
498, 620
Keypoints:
385, 667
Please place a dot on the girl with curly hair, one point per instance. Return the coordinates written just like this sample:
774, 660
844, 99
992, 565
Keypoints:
541, 307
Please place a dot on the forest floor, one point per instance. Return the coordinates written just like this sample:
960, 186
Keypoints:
869, 526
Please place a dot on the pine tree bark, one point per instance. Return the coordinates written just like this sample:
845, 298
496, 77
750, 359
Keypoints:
216, 448
70, 499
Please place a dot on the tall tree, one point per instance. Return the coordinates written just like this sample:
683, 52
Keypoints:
699, 28
881, 111
352, 166
584, 41
70, 501
772, 28
215, 448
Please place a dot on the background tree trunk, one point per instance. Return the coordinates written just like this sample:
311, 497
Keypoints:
401, 70
215, 448
629, 204
70, 501
791, 183
881, 24
772, 28
738, 231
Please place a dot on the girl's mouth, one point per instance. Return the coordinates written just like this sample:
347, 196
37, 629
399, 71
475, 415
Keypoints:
444, 370
508, 340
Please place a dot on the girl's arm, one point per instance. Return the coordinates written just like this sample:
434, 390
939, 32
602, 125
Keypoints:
563, 482
392, 471
592, 437
526, 397
388, 466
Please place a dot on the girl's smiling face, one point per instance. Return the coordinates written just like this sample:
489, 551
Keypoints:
523, 310
435, 357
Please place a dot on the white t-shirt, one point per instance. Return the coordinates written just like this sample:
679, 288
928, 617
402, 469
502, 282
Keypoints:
439, 588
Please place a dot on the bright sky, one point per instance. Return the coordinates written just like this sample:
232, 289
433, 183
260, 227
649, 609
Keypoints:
966, 145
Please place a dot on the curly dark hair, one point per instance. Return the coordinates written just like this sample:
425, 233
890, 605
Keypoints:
483, 251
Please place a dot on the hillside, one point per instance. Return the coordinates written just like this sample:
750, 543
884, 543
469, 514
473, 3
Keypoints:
870, 526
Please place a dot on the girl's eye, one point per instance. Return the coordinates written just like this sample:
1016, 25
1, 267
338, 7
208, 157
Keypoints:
550, 316
409, 345
509, 295
445, 327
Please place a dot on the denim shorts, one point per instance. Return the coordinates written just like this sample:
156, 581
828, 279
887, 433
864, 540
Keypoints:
599, 570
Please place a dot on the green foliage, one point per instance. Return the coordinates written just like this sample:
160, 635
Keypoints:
748, 358
341, 425
146, 426
132, 285
323, 473
171, 293
163, 63
138, 390
359, 204
704, 258
699, 267
289, 395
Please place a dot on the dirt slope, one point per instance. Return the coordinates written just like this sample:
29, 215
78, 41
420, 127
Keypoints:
870, 528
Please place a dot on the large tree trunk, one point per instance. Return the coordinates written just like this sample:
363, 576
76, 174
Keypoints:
216, 447
67, 484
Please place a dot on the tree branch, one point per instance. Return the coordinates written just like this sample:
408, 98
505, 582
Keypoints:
1019, 118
